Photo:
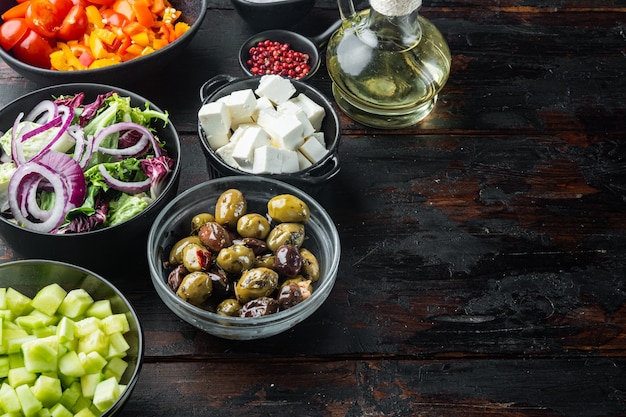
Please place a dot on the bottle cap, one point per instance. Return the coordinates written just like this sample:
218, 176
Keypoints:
395, 7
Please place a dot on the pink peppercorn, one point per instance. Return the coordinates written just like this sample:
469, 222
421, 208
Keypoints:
272, 57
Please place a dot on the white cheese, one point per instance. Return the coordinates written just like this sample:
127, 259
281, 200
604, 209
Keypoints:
276, 88
289, 107
241, 105
313, 150
287, 132
303, 161
214, 118
290, 161
253, 137
314, 111
261, 103
320, 138
226, 153
218, 140
267, 160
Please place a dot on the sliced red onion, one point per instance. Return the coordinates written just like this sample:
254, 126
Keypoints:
16, 150
24, 136
129, 187
43, 112
16, 189
146, 137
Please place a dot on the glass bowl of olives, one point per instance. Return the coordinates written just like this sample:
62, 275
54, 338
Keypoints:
243, 257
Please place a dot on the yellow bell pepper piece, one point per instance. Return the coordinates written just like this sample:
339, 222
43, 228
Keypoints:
141, 39
93, 16
100, 63
97, 47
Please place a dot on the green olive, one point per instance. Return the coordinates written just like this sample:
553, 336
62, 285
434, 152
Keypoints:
287, 208
196, 257
200, 220
266, 260
235, 259
196, 288
286, 234
253, 225
310, 266
176, 253
229, 307
230, 206
255, 283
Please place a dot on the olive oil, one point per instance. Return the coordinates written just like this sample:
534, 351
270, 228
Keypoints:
387, 71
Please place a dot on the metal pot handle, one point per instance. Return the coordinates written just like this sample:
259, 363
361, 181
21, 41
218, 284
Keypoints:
213, 84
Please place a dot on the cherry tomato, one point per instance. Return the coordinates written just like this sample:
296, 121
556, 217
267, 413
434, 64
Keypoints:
113, 18
11, 32
63, 6
33, 49
74, 24
44, 18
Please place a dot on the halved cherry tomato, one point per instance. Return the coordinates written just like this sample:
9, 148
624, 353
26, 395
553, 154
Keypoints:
33, 49
113, 18
44, 18
63, 6
19, 10
11, 32
74, 24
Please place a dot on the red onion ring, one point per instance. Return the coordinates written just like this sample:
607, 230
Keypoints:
129, 187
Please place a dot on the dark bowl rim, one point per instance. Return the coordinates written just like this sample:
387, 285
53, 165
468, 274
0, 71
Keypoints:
225, 321
172, 182
13, 62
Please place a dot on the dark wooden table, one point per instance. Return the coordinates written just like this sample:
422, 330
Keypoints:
483, 269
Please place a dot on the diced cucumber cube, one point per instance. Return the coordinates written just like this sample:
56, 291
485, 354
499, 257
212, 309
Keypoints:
97, 341
59, 410
40, 355
47, 390
70, 365
30, 404
44, 412
88, 384
18, 303
3, 298
14, 344
100, 309
49, 298
107, 392
118, 346
65, 330
45, 331
8, 399
5, 313
75, 303
20, 376
115, 368
16, 360
86, 326
4, 366
85, 412
117, 323
30, 322
70, 396
92, 362
82, 403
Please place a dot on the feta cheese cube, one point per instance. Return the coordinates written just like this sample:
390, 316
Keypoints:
252, 138
241, 105
289, 107
214, 118
320, 138
314, 111
303, 161
289, 161
276, 88
218, 140
226, 153
261, 103
267, 160
313, 150
286, 132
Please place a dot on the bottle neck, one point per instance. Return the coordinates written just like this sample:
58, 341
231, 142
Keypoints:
392, 29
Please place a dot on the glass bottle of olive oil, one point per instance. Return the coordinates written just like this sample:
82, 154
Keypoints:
387, 63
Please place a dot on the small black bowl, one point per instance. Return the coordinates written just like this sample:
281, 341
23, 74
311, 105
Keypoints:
272, 14
122, 74
103, 250
311, 46
310, 179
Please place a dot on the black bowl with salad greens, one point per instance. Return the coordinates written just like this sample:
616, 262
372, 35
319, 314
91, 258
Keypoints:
84, 170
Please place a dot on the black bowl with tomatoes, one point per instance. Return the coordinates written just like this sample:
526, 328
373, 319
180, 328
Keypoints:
105, 41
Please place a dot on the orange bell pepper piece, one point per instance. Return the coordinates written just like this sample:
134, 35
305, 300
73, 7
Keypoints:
16, 11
